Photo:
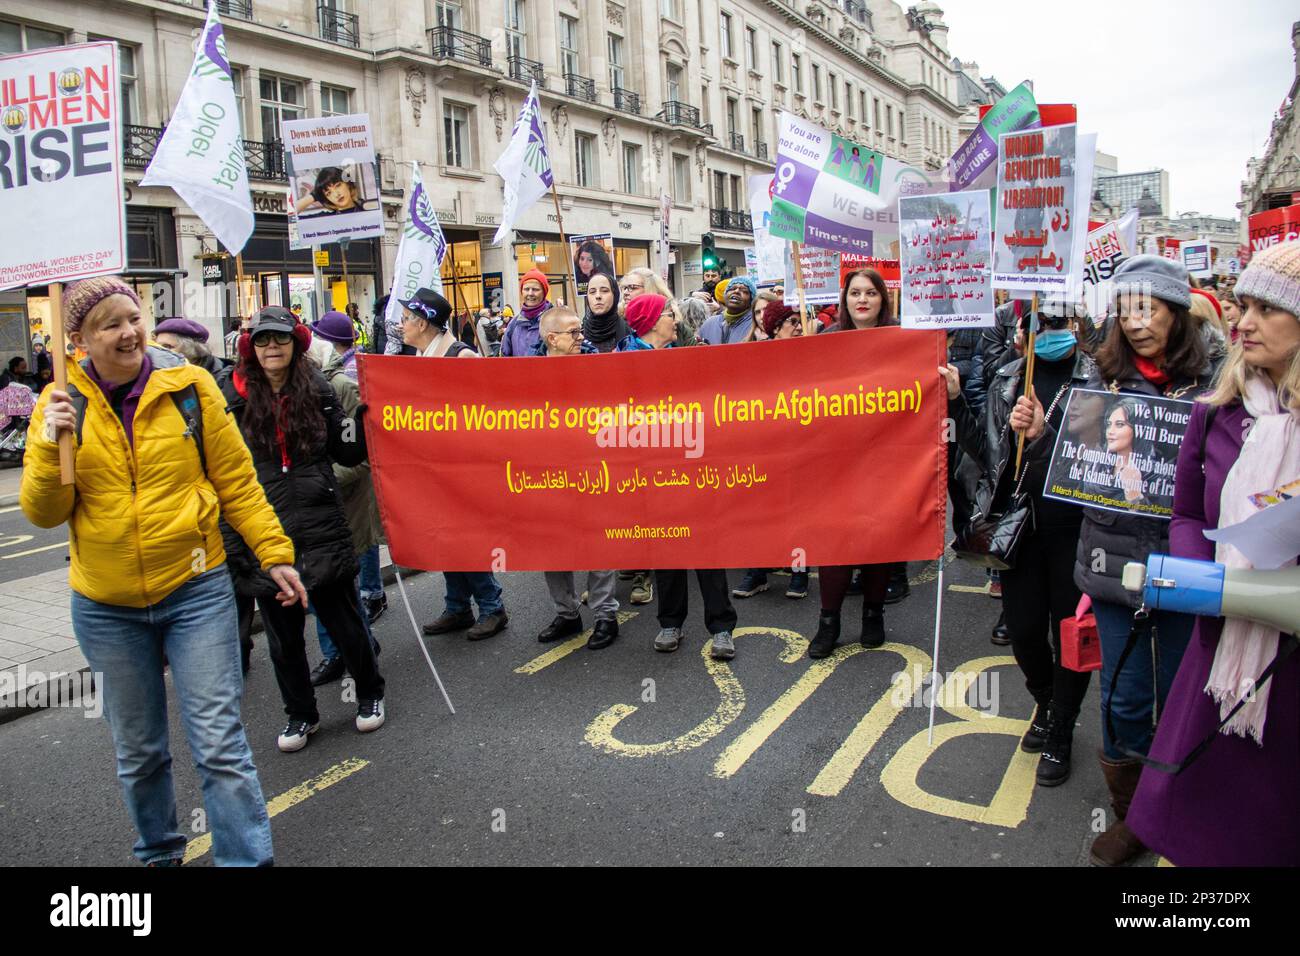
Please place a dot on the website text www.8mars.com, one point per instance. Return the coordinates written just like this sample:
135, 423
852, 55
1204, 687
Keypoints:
639, 532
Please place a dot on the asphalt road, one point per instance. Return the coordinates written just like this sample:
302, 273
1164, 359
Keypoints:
621, 756
25, 549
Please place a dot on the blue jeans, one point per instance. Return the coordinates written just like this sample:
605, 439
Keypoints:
1140, 687
372, 584
328, 648
482, 586
197, 627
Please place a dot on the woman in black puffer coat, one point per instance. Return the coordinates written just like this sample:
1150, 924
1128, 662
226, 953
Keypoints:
295, 429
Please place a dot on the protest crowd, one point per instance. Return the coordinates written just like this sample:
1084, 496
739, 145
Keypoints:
266, 503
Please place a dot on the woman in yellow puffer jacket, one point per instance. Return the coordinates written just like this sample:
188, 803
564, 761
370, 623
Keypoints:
148, 575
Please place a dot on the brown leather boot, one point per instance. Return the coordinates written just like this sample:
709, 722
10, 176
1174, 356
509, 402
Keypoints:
1118, 845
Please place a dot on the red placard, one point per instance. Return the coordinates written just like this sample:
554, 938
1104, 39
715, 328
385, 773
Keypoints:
825, 450
1266, 229
1050, 114
888, 268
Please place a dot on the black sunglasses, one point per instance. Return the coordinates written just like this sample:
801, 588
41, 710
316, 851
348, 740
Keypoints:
262, 339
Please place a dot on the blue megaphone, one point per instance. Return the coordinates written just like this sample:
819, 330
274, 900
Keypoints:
1190, 586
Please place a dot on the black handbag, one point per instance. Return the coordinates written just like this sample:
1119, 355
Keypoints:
991, 541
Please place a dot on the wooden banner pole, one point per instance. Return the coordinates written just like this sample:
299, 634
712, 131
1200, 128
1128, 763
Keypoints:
797, 251
59, 357
458, 298
564, 247
1029, 369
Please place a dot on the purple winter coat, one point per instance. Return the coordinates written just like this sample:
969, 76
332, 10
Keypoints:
1236, 805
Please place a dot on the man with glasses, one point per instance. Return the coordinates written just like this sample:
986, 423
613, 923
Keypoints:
561, 334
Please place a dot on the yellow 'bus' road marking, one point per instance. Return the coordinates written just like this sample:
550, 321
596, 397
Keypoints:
562, 651
23, 554
290, 798
969, 589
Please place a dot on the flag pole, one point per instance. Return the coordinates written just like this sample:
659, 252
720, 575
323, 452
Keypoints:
564, 244
798, 284
459, 299
1029, 369
67, 461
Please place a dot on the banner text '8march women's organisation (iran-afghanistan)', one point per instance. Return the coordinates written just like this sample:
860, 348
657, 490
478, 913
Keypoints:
826, 450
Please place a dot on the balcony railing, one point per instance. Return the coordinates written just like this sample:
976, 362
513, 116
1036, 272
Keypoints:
676, 113
580, 87
139, 144
264, 160
760, 150
338, 26
447, 43
727, 219
242, 9
737, 142
626, 101
524, 70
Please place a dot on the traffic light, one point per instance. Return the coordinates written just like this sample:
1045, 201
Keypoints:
708, 254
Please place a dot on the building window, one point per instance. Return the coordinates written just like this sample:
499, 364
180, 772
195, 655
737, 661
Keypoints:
778, 66
848, 98
728, 50
674, 83
615, 62
455, 130
17, 37
737, 194
751, 48
632, 176
731, 115
584, 159
335, 101
126, 64
862, 102
569, 45
704, 104
756, 125
237, 78
282, 99
817, 83
877, 105
719, 190
681, 178
449, 14
889, 121
834, 83
796, 71
672, 9
515, 27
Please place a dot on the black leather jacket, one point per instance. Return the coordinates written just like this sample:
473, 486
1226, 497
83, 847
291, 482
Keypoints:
990, 441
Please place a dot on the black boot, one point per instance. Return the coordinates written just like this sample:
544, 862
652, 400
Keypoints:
898, 587
1001, 636
1054, 763
1034, 738
828, 633
873, 625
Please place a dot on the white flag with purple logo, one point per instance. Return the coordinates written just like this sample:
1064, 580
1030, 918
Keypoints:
419, 258
201, 154
525, 166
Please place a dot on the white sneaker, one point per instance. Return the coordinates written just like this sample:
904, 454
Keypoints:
295, 734
370, 715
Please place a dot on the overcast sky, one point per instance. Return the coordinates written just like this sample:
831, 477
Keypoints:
1190, 87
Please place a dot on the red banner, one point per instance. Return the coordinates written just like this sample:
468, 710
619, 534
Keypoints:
825, 450
1269, 228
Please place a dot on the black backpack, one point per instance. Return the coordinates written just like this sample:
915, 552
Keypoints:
187, 404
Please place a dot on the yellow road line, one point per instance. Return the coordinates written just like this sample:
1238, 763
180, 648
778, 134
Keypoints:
561, 651
290, 798
968, 589
23, 554
5, 511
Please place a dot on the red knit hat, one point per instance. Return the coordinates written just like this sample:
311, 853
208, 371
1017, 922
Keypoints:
1213, 300
644, 311
537, 276
774, 315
